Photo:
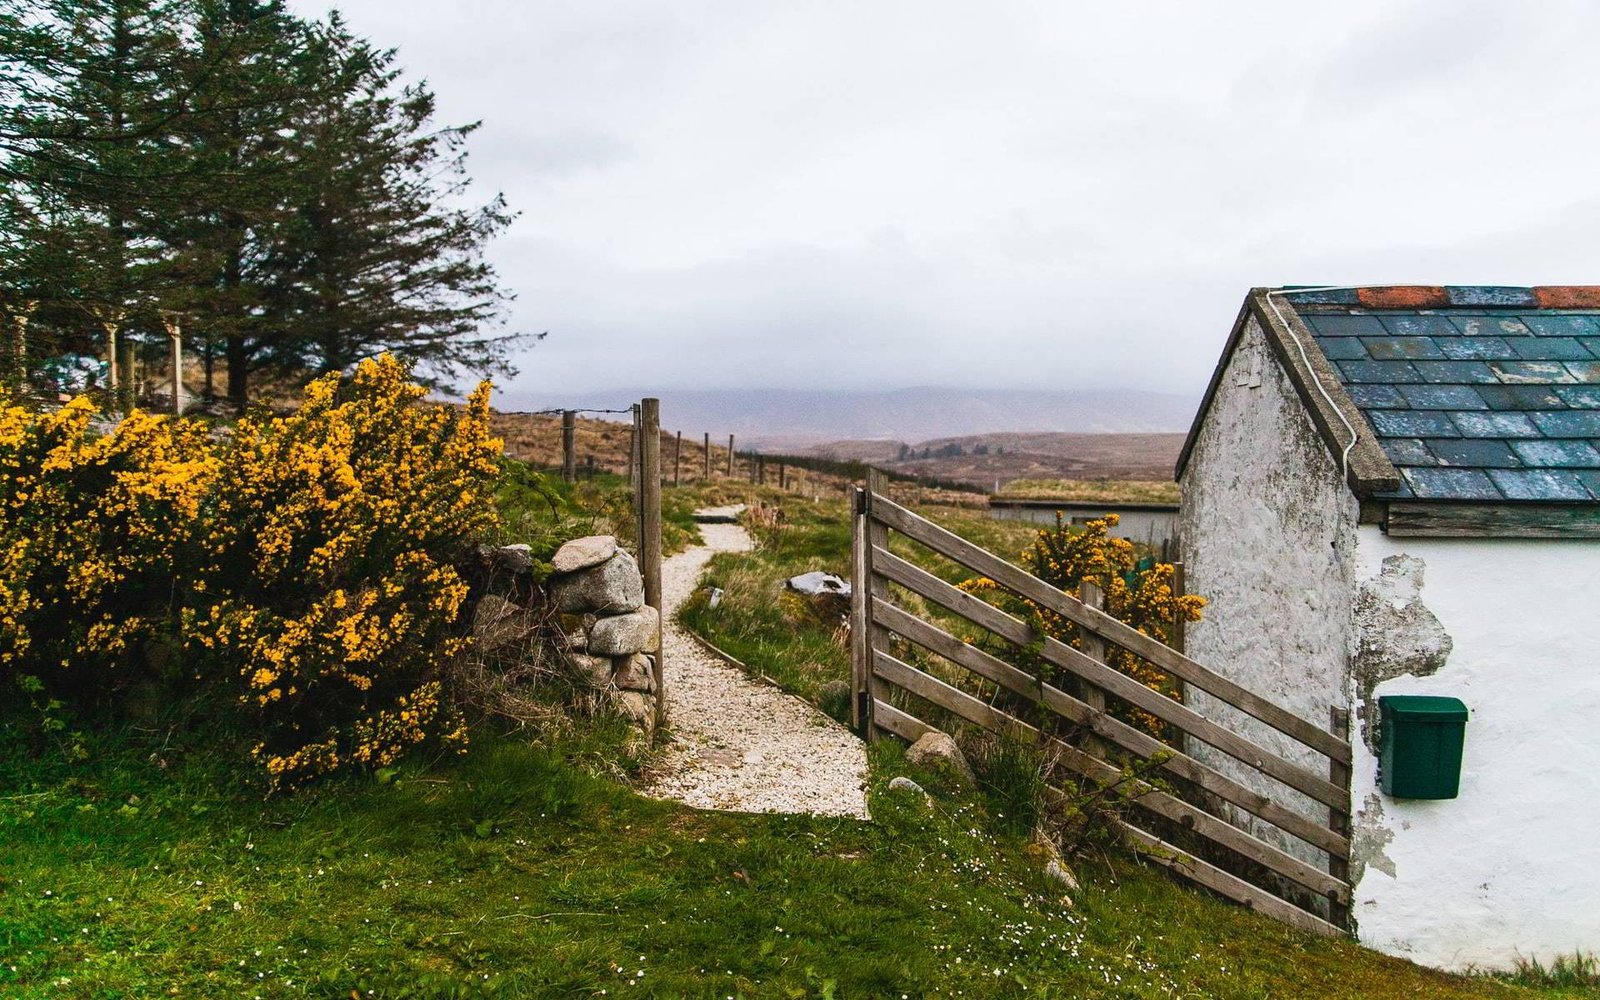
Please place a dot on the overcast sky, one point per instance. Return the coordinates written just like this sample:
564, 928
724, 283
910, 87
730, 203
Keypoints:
863, 194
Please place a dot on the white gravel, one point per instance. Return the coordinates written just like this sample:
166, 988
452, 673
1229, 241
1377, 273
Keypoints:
739, 744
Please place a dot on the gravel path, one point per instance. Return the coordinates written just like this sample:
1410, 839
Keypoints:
738, 744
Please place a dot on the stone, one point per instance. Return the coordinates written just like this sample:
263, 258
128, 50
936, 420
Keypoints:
937, 751
634, 673
612, 587
515, 559
498, 623
905, 784
623, 635
593, 670
812, 584
1061, 873
636, 705
581, 553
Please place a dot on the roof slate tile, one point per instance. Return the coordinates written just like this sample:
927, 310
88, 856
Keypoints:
1407, 451
1490, 326
1413, 423
1345, 325
1590, 480
1530, 372
1568, 423
1443, 397
1579, 397
1520, 397
1417, 325
1585, 371
1558, 454
1402, 348
1539, 484
1379, 371
1456, 371
1495, 425
1476, 349
1451, 484
1376, 397
1476, 453
1549, 349
1347, 348
1547, 325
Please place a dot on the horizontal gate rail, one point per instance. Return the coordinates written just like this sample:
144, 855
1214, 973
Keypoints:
875, 617
1094, 620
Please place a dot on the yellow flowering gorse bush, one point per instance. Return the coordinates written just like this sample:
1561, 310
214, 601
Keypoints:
1140, 596
305, 561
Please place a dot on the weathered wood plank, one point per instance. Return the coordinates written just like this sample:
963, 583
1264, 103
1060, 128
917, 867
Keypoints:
1019, 633
860, 651
1530, 520
941, 643
1231, 886
1019, 580
899, 723
946, 696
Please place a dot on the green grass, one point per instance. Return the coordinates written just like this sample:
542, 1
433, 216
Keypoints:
790, 639
530, 871
1092, 490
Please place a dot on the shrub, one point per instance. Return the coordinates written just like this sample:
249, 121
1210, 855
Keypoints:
1136, 592
305, 563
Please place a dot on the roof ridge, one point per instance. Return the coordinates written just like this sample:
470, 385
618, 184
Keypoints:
1446, 296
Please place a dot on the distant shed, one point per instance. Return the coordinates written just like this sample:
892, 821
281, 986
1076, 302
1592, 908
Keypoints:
1152, 524
1396, 491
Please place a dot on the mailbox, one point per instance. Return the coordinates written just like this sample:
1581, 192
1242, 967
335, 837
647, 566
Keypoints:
1421, 739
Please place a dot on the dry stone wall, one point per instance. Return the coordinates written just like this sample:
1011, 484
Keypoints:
612, 636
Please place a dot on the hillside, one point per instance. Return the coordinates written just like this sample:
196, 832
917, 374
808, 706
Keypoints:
987, 459
789, 419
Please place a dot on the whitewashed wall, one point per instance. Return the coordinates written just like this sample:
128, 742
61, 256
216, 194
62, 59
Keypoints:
1268, 532
1510, 867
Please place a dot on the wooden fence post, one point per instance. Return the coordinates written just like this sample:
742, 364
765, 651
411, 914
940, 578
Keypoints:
876, 636
1095, 648
707, 457
677, 461
730, 456
1179, 625
1339, 820
569, 445
175, 332
633, 450
783, 477
650, 536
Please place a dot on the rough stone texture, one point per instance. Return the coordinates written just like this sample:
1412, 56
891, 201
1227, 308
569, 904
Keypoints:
634, 673
902, 783
1061, 873
938, 751
636, 705
581, 553
1268, 530
624, 635
1395, 633
818, 582
613, 587
790, 757
498, 623
596, 670
515, 558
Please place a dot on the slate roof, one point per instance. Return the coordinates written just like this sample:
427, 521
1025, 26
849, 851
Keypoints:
1490, 395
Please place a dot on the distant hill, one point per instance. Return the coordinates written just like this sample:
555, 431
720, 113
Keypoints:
989, 459
793, 419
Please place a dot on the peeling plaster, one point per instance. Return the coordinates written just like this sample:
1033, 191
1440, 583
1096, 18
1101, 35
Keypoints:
1369, 840
1395, 634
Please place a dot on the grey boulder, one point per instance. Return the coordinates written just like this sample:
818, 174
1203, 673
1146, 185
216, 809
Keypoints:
623, 635
581, 553
634, 673
936, 751
612, 587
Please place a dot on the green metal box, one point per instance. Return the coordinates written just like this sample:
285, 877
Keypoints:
1421, 739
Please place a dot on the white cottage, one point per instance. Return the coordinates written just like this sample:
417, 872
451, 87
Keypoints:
1396, 491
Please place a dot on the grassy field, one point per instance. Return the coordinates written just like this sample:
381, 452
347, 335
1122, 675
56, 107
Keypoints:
1092, 490
145, 862
530, 869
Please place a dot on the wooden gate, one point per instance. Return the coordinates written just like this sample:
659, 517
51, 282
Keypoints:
1204, 807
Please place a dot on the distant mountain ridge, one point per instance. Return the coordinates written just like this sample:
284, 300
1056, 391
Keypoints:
794, 417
